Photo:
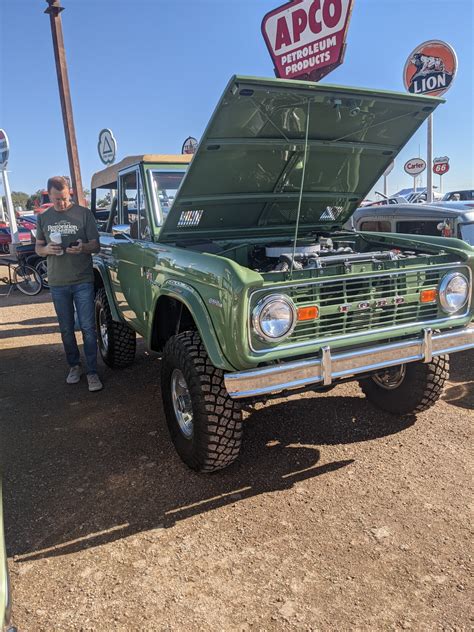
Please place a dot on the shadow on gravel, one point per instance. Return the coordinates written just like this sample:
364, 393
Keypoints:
42, 320
86, 469
21, 333
461, 372
17, 298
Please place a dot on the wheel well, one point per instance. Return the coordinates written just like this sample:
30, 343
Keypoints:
98, 281
171, 317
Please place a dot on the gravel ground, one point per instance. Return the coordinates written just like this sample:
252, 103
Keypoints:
336, 516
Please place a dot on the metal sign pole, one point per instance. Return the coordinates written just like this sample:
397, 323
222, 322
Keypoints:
414, 184
385, 185
10, 210
54, 11
429, 161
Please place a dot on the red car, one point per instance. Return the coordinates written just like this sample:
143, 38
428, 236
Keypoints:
6, 239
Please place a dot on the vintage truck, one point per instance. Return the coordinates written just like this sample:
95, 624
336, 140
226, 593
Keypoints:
235, 265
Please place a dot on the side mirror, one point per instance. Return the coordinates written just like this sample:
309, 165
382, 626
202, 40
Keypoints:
121, 229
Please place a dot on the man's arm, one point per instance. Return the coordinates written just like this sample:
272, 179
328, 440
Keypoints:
44, 250
90, 247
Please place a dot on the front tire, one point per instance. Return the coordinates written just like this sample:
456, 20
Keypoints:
27, 279
408, 388
205, 424
116, 341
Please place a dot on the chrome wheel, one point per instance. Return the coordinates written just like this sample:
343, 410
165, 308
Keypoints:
390, 379
42, 269
103, 330
182, 404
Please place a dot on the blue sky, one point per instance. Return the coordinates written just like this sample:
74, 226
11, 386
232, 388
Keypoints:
153, 71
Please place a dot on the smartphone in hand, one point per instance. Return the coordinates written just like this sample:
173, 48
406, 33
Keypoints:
73, 244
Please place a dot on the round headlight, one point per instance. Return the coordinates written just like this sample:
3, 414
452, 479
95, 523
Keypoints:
453, 292
274, 317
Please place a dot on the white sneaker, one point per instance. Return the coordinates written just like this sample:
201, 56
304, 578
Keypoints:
74, 374
94, 382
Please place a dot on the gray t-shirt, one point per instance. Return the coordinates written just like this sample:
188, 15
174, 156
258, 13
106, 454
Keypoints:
77, 222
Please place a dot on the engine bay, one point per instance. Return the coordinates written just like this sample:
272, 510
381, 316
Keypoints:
322, 253
313, 255
339, 253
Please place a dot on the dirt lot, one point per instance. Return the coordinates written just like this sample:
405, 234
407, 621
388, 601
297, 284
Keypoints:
336, 516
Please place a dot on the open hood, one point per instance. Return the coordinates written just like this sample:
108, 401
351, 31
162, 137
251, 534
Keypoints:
247, 171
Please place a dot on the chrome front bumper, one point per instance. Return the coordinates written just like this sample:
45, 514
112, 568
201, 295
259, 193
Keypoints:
330, 367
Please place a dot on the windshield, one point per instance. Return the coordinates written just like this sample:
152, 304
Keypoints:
459, 195
165, 185
467, 233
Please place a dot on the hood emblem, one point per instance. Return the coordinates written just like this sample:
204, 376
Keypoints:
364, 305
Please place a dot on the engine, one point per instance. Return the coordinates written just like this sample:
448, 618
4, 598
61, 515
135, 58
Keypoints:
324, 252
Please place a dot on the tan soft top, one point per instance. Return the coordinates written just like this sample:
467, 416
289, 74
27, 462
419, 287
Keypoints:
107, 178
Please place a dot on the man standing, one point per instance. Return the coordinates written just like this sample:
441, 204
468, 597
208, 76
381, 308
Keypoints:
67, 235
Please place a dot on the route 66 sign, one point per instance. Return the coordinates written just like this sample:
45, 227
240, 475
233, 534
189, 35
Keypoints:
441, 165
107, 146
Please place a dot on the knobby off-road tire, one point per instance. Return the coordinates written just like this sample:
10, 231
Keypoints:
116, 341
205, 424
418, 389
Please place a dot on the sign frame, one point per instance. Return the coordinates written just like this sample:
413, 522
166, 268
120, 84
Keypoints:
440, 162
106, 136
433, 44
193, 145
414, 174
4, 152
323, 69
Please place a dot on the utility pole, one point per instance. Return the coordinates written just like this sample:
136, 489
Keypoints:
54, 10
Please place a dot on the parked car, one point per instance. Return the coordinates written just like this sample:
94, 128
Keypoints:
417, 196
447, 219
29, 222
459, 196
235, 264
6, 238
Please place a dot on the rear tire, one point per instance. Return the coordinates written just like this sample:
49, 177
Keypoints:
204, 422
409, 388
116, 341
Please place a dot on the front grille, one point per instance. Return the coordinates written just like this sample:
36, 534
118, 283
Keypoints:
372, 302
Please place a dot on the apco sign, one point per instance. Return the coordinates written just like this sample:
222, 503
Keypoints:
306, 38
430, 69
415, 166
4, 149
441, 165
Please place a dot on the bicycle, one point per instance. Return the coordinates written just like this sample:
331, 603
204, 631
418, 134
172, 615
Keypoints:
21, 276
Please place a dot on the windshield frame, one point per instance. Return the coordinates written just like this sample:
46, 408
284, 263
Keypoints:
156, 206
463, 236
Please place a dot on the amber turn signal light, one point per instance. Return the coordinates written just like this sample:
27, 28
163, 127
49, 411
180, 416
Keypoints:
428, 296
308, 313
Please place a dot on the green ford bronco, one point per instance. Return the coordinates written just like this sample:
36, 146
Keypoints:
235, 264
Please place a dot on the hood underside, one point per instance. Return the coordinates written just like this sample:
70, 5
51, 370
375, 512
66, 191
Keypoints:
247, 171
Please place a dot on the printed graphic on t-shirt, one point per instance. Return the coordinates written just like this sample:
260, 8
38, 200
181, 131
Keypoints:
64, 227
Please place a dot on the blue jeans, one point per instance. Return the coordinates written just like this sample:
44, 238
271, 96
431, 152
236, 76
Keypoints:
81, 296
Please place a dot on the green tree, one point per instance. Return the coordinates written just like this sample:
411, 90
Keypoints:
19, 199
104, 202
